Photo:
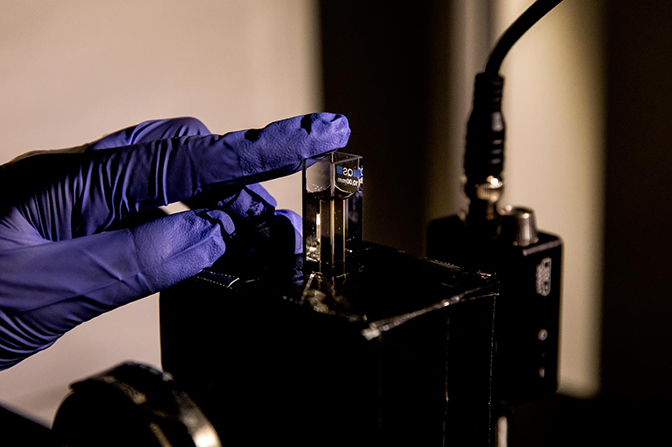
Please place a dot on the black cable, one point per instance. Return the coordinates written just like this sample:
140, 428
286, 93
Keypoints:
531, 16
486, 129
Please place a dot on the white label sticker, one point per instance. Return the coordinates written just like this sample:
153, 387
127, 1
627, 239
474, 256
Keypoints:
544, 277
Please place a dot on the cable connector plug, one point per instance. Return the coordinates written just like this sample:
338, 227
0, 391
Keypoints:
484, 153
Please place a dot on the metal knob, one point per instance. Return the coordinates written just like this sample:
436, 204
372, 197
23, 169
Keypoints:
518, 226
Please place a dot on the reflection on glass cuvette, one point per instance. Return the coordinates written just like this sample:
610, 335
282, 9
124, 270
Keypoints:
332, 209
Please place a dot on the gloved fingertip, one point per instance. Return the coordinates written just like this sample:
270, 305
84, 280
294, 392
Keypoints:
281, 147
261, 192
294, 218
297, 223
333, 127
219, 217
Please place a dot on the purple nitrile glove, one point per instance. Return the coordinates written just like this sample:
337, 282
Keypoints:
62, 262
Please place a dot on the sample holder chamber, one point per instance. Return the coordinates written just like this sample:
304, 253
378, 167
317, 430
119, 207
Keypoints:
349, 344
402, 356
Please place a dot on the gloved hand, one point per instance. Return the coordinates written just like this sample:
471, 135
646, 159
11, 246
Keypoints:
62, 262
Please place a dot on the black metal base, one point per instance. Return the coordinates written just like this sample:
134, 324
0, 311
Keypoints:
403, 357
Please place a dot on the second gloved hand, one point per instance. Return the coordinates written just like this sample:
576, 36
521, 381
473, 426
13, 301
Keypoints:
61, 261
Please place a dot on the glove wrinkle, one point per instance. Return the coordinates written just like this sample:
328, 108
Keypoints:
139, 266
150, 131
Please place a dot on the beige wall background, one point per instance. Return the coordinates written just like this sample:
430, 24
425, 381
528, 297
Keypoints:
74, 70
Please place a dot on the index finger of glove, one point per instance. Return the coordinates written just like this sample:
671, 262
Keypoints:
148, 175
148, 131
99, 188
